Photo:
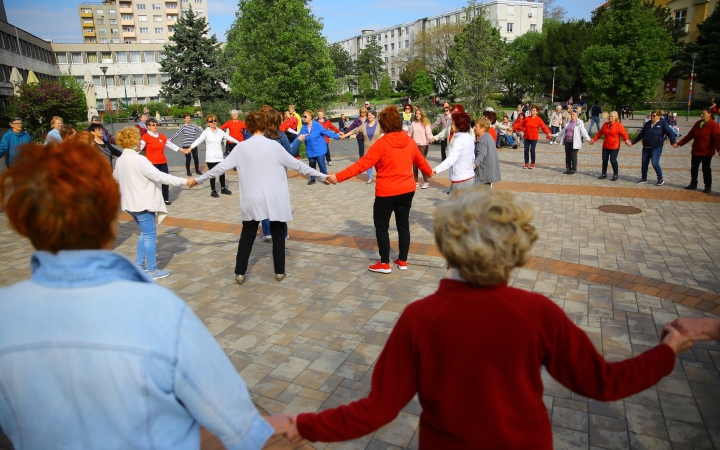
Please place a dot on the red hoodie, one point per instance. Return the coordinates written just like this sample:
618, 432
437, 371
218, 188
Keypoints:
393, 156
328, 126
530, 126
612, 135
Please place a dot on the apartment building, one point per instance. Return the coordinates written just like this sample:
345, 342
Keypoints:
133, 21
131, 72
512, 18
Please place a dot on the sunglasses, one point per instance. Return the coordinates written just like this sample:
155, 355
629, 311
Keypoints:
16, 123
152, 124
212, 121
306, 117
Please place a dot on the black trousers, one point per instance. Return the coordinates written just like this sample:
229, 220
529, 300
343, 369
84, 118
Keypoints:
327, 155
229, 146
570, 157
443, 147
192, 155
247, 239
695, 162
165, 187
612, 156
212, 180
382, 210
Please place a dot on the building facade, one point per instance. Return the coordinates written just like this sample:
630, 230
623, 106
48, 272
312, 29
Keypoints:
133, 21
512, 18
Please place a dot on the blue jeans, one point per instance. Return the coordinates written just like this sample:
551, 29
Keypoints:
146, 242
361, 153
530, 150
508, 139
320, 161
651, 154
596, 121
266, 228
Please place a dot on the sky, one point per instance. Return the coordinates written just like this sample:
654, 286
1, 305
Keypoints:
58, 20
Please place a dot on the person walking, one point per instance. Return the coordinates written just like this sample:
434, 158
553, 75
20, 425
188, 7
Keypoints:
213, 137
370, 133
13, 139
328, 126
594, 114
154, 143
613, 131
444, 121
105, 148
571, 136
264, 190
421, 133
235, 126
141, 197
393, 155
653, 135
189, 131
705, 135
487, 162
461, 155
529, 126
53, 137
313, 134
360, 138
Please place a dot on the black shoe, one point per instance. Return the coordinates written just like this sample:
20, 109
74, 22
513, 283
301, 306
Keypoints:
707, 189
614, 178
214, 194
189, 173
225, 191
572, 172
168, 202
691, 187
199, 172
311, 182
514, 145
567, 172
602, 176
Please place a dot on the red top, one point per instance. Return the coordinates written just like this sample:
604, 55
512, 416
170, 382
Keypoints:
612, 135
328, 126
142, 130
290, 122
393, 157
492, 133
706, 139
235, 127
529, 125
155, 148
473, 356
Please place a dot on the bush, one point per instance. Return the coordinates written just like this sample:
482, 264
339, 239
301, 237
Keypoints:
177, 112
158, 106
221, 108
38, 103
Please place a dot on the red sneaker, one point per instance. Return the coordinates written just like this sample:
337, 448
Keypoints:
402, 265
380, 267
527, 166
532, 166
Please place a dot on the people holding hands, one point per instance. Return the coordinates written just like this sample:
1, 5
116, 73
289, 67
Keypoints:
613, 131
529, 126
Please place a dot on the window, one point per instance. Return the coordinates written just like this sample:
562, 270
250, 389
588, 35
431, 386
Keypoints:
121, 57
89, 20
113, 21
115, 40
533, 27
86, 11
509, 27
437, 22
144, 30
159, 41
77, 58
679, 16
392, 46
89, 30
128, 30
392, 33
385, 47
407, 43
511, 10
152, 80
154, 99
135, 56
107, 58
198, 1
161, 56
114, 31
97, 80
103, 40
99, 12
124, 80
61, 58
158, 30
101, 21
109, 81
126, 5
127, 17
149, 56
111, 12
92, 58
199, 12
157, 18
142, 18
164, 78
171, 6
90, 40
144, 41
156, 7
80, 80
386, 36
171, 30
171, 18
140, 6
138, 80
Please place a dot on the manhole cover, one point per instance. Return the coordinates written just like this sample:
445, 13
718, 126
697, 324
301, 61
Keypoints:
619, 209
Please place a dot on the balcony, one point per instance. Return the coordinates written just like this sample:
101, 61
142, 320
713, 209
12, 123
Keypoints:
127, 34
88, 25
89, 32
86, 14
125, 9
127, 22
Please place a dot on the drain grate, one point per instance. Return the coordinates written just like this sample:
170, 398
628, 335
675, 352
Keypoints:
619, 209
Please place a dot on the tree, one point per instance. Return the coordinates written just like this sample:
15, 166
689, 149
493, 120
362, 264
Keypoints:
344, 65
480, 54
433, 48
407, 76
632, 54
281, 56
38, 103
191, 62
385, 88
520, 76
365, 86
422, 84
369, 60
707, 47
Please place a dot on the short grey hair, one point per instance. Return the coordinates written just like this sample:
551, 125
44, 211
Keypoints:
234, 111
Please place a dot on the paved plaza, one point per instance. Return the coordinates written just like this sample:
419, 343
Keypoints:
310, 342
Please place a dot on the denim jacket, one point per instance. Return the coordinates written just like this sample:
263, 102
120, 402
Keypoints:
94, 355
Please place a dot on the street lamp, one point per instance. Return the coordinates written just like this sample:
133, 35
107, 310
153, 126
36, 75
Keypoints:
552, 94
124, 77
692, 77
136, 97
107, 91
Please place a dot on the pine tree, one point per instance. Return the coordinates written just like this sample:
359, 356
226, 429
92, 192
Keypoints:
365, 86
191, 62
369, 61
385, 88
707, 47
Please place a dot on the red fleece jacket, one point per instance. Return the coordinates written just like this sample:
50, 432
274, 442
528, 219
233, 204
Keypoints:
393, 157
706, 139
530, 125
473, 356
612, 133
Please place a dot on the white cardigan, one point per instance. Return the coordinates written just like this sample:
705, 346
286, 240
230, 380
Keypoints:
460, 158
213, 143
139, 189
578, 133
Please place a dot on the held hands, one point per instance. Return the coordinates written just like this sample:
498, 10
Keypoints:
704, 329
675, 146
433, 173
628, 143
191, 183
293, 435
331, 179
282, 423
186, 150
677, 341
302, 137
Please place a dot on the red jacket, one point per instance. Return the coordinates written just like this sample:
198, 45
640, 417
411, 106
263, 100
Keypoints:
706, 139
235, 128
393, 156
288, 123
530, 125
473, 356
141, 129
155, 148
328, 126
612, 135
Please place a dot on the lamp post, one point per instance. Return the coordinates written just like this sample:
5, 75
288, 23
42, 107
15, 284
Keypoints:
124, 77
552, 93
107, 91
136, 97
692, 77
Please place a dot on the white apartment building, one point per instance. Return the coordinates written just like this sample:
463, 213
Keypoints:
134, 21
512, 18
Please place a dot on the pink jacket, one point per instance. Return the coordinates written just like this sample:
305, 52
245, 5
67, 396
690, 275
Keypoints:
420, 133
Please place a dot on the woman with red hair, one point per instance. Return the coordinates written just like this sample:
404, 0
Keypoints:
461, 155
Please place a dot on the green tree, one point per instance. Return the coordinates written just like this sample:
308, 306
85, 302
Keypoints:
520, 76
422, 85
477, 53
407, 75
344, 65
385, 88
632, 54
365, 87
281, 56
433, 48
191, 62
707, 47
38, 103
369, 61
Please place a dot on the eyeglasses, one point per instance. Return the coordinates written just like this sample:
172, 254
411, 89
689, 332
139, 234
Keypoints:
152, 124
306, 117
653, 115
16, 123
447, 110
212, 121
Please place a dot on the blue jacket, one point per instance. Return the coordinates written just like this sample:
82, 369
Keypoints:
284, 141
93, 354
654, 136
314, 140
9, 144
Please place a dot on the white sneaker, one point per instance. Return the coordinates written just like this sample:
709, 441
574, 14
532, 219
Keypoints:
425, 186
267, 238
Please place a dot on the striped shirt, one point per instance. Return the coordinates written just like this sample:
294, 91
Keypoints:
188, 132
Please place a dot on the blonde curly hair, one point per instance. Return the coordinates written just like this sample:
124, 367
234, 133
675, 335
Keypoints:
128, 137
484, 234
